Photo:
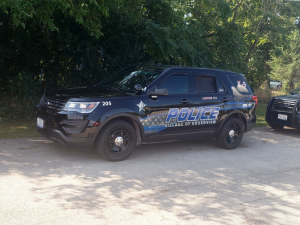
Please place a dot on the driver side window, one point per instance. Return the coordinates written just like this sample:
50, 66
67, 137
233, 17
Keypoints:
176, 84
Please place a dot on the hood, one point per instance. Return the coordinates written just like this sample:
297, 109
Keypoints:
295, 96
86, 92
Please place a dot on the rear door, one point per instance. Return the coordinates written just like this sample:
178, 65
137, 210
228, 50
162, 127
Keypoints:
208, 98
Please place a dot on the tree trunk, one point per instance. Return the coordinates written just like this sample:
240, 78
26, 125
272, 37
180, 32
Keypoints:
235, 10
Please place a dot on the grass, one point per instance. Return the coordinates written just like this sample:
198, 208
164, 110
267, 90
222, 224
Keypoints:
14, 129
260, 114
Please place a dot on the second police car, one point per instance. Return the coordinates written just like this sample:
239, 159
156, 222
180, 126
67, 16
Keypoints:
144, 104
284, 111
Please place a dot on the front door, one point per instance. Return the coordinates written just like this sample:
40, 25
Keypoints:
167, 114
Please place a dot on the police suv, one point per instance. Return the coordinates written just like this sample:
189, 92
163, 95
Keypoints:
145, 104
284, 111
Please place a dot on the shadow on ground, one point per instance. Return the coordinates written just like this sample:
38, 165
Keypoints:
181, 181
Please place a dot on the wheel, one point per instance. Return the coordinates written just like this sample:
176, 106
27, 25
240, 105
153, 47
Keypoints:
276, 126
117, 141
231, 134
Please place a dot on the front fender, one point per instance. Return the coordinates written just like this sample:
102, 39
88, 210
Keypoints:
113, 114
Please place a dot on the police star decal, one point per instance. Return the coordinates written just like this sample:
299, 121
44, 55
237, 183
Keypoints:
141, 106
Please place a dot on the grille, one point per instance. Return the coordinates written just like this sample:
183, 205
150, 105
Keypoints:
52, 105
285, 105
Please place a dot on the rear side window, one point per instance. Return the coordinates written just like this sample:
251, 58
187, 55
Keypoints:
205, 84
240, 83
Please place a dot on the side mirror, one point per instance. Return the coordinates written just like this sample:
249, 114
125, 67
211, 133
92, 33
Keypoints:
292, 92
158, 92
138, 88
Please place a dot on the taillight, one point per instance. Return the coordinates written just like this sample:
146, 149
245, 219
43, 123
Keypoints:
255, 99
96, 124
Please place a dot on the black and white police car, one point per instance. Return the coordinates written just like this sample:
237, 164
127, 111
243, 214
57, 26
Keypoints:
284, 111
145, 104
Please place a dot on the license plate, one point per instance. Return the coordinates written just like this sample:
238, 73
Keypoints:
40, 122
282, 117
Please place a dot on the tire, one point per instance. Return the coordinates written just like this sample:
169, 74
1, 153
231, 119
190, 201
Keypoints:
116, 141
276, 126
231, 127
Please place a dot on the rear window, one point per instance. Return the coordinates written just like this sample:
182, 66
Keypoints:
240, 83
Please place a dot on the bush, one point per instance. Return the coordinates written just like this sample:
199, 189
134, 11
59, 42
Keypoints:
18, 100
265, 94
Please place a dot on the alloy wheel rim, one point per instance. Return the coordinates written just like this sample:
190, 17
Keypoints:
119, 141
232, 134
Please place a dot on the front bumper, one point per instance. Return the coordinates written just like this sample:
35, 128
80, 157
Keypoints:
56, 135
285, 107
293, 119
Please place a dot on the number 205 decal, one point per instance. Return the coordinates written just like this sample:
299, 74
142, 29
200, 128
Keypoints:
107, 103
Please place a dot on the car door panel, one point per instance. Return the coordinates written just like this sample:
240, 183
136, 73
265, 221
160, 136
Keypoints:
165, 111
209, 95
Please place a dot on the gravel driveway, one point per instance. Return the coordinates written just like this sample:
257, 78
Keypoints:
191, 182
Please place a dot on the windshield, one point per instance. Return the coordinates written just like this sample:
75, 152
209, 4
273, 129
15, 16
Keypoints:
126, 79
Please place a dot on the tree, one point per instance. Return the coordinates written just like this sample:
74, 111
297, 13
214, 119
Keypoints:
285, 62
266, 24
81, 42
88, 13
198, 34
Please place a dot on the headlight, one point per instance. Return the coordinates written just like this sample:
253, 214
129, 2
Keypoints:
81, 107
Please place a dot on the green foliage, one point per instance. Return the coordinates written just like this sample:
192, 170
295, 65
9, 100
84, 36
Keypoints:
19, 102
65, 43
285, 62
68, 58
88, 13
265, 25
198, 34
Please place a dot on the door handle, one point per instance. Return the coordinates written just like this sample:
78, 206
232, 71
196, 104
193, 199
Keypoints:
225, 99
184, 101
